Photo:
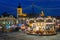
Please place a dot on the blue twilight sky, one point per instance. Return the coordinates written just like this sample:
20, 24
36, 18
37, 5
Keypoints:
50, 7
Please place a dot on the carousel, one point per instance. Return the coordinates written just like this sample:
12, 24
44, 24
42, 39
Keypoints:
41, 26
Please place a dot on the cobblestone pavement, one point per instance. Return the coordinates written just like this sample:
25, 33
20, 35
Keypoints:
22, 36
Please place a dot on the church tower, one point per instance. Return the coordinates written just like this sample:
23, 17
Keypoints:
19, 10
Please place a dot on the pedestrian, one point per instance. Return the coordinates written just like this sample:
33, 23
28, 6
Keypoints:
19, 26
13, 27
0, 28
3, 28
7, 27
23, 27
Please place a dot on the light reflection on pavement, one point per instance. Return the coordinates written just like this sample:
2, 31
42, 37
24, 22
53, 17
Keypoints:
22, 36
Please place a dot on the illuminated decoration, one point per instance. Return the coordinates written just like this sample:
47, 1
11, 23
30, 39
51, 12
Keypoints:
42, 13
17, 21
7, 26
3, 22
23, 18
7, 19
49, 16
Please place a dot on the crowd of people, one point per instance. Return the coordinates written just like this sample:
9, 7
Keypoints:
12, 28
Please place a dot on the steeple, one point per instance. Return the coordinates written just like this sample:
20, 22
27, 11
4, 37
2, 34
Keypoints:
19, 5
42, 13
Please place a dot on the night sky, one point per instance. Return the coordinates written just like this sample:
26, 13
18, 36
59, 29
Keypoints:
50, 7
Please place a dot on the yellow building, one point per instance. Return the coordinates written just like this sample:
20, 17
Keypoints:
19, 12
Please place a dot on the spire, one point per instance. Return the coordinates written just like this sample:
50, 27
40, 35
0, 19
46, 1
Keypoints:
19, 5
42, 13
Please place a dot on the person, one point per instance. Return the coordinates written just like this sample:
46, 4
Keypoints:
3, 28
13, 27
7, 27
19, 26
23, 27
17, 29
0, 28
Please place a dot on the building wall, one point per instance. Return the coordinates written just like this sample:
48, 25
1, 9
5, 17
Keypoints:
19, 11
